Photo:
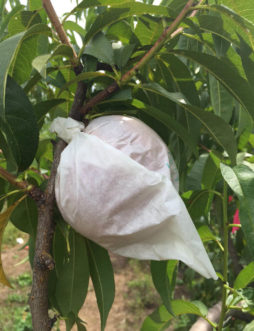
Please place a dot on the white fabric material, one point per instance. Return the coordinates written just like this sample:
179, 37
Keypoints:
130, 208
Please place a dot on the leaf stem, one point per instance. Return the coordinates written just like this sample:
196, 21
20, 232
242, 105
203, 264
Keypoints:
225, 257
14, 181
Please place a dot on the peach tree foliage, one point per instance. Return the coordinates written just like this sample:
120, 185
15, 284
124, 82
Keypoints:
196, 92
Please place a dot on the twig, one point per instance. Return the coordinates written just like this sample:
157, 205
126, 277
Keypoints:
168, 32
32, 190
23, 185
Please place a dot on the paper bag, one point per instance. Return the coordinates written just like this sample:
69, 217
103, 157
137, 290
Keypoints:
114, 186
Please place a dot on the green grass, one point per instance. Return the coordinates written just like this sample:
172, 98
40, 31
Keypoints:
14, 311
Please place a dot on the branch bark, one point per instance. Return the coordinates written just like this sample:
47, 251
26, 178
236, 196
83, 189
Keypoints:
43, 262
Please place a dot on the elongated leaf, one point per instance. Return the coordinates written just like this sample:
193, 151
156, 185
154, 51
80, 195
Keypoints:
182, 78
161, 282
101, 48
216, 25
244, 9
22, 21
120, 11
226, 75
194, 178
24, 217
20, 125
7, 51
122, 55
40, 62
4, 217
246, 214
103, 279
83, 76
159, 319
211, 173
42, 108
206, 234
8, 17
245, 276
221, 100
72, 284
240, 178
217, 128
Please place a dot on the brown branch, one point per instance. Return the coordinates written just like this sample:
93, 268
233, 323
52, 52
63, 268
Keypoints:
129, 74
31, 190
58, 27
22, 185
43, 262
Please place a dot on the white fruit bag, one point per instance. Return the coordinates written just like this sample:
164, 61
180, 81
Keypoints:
114, 186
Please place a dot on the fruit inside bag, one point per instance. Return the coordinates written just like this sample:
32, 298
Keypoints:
117, 185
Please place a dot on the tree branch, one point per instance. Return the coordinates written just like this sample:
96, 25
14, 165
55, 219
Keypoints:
168, 32
43, 262
58, 27
32, 190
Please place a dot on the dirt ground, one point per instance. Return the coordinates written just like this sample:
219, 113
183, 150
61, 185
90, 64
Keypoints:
120, 317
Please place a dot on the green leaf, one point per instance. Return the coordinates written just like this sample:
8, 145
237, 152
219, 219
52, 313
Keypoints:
227, 76
206, 234
22, 66
244, 9
122, 55
220, 131
101, 48
221, 100
20, 125
245, 276
159, 319
240, 178
103, 279
4, 23
83, 76
249, 327
182, 78
40, 62
161, 282
194, 178
24, 217
211, 173
72, 284
246, 215
43, 107
7, 51
72, 26
22, 21
120, 11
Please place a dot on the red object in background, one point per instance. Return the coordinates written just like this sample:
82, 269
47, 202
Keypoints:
230, 198
236, 220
